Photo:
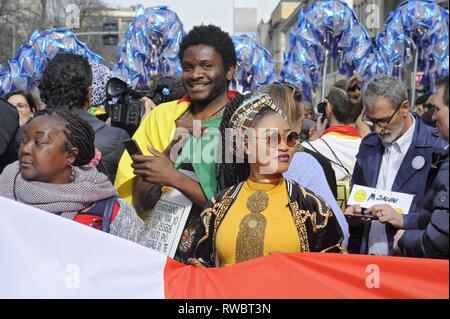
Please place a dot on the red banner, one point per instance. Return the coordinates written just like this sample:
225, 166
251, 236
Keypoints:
312, 275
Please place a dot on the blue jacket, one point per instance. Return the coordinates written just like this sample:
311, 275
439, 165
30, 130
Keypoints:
408, 180
430, 240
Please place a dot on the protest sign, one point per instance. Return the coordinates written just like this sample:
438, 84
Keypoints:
166, 221
367, 197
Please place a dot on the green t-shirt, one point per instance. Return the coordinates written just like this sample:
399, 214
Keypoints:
203, 154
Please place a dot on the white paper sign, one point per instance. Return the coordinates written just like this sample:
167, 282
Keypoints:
168, 218
367, 197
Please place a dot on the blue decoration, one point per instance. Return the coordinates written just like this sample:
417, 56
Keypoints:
150, 46
331, 25
25, 69
255, 67
423, 24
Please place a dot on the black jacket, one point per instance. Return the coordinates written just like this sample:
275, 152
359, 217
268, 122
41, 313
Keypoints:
430, 240
9, 124
108, 140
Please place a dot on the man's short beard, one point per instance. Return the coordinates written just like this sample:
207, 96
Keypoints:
393, 135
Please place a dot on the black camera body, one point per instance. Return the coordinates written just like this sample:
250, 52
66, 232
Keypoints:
127, 111
128, 114
161, 91
322, 109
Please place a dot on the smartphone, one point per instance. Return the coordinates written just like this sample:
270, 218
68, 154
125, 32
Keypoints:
363, 216
132, 147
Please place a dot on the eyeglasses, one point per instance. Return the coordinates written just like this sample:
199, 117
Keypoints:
273, 138
381, 122
296, 94
21, 106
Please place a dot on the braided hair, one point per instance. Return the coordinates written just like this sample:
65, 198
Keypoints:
78, 133
229, 174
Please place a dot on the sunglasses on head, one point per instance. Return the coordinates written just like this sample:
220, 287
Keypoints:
298, 97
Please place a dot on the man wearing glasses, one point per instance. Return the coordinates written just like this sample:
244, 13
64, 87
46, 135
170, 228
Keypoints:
396, 157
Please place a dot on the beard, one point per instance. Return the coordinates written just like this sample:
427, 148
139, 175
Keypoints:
388, 138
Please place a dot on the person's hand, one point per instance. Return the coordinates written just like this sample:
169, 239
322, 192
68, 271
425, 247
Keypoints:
148, 105
387, 214
184, 129
156, 169
321, 126
397, 237
195, 128
355, 221
195, 262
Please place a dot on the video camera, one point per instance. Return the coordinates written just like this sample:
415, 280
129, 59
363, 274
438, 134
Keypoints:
127, 110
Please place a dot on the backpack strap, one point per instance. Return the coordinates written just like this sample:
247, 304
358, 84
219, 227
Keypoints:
105, 209
108, 212
338, 163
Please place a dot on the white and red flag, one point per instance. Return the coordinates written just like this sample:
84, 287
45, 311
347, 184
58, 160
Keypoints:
46, 256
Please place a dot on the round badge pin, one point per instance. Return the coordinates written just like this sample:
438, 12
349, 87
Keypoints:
418, 162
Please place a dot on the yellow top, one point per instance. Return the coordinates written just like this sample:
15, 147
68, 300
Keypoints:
241, 238
156, 130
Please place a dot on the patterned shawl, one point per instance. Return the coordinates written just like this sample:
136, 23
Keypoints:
88, 187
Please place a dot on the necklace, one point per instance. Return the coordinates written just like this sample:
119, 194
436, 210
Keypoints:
250, 239
189, 116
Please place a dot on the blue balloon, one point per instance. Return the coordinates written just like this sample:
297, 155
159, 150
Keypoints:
150, 46
329, 25
423, 24
25, 69
255, 67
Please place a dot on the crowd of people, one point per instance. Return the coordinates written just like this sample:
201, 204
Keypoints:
271, 174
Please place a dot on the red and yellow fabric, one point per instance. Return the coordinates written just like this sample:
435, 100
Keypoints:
343, 131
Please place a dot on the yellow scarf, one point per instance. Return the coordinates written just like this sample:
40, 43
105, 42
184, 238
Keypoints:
156, 130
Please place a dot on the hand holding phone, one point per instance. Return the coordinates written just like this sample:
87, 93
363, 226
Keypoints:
362, 216
356, 217
132, 147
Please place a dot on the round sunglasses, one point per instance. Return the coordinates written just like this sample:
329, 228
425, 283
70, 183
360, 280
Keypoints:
274, 138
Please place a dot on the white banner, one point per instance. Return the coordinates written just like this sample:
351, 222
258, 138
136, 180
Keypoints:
48, 256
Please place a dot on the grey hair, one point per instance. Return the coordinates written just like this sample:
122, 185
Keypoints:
384, 86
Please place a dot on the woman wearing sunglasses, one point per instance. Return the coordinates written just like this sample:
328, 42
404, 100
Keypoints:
259, 212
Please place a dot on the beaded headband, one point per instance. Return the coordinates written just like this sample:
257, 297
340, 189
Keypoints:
244, 116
